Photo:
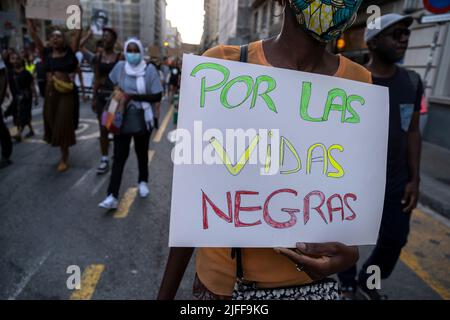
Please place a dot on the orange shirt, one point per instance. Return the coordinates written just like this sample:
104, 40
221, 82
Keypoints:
215, 268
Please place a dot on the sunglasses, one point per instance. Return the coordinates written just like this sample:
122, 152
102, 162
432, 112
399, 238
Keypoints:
398, 33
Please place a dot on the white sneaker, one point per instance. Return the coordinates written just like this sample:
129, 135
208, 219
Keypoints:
144, 192
110, 203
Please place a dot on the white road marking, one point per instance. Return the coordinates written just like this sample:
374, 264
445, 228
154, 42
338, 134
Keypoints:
100, 185
82, 179
24, 282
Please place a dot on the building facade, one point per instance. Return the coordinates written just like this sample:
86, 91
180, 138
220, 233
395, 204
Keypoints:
234, 22
211, 25
12, 25
266, 19
173, 42
124, 15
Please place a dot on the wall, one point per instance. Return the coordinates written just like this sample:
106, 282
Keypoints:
228, 20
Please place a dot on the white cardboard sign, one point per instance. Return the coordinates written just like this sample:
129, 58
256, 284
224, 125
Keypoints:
49, 9
308, 164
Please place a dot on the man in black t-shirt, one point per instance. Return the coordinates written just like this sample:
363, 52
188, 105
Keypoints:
387, 47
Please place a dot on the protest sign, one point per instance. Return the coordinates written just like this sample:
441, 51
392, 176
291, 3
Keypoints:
268, 157
99, 21
49, 10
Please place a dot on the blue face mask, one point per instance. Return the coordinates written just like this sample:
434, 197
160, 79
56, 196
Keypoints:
133, 58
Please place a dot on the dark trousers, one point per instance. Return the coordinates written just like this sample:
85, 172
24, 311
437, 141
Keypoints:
121, 153
392, 238
5, 138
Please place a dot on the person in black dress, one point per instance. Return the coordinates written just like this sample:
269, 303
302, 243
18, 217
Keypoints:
103, 64
23, 92
61, 104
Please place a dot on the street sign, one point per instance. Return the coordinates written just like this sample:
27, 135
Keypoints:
437, 6
435, 18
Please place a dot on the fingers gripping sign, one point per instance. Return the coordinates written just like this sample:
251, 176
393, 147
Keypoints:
321, 260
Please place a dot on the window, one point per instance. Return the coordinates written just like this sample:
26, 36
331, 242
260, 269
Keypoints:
264, 16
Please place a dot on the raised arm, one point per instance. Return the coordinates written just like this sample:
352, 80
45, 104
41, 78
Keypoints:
76, 37
34, 35
85, 39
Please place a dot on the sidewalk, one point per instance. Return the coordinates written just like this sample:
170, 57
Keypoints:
435, 175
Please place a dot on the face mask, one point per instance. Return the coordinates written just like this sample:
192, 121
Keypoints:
325, 20
133, 58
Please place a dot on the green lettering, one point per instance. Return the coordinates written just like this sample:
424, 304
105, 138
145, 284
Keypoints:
304, 105
331, 105
271, 86
224, 96
225, 72
355, 116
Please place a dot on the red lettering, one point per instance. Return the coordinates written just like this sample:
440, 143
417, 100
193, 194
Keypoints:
335, 204
307, 201
228, 218
237, 209
291, 212
332, 209
354, 198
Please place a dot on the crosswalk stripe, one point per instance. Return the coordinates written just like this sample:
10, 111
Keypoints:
126, 203
151, 155
89, 281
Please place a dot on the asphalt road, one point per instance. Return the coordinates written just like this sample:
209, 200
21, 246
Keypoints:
50, 221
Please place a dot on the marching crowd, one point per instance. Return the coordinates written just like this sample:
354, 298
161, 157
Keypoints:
51, 69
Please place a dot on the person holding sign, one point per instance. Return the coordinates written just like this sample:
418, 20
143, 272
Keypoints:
387, 47
300, 46
61, 104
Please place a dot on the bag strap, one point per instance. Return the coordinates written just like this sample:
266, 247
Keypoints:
244, 54
236, 253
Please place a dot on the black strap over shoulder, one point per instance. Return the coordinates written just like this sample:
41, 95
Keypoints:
244, 53
236, 253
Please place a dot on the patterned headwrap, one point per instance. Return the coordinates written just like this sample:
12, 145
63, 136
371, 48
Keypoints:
325, 20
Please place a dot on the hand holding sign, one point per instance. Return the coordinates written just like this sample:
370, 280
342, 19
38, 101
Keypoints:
321, 260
